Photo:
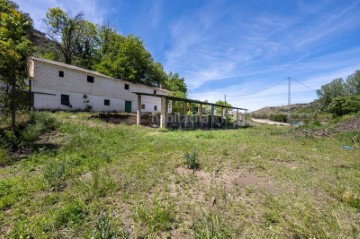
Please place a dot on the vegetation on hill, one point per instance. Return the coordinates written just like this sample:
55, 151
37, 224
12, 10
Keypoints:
101, 180
339, 97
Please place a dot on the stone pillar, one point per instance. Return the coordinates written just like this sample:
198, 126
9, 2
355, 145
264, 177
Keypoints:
237, 117
200, 111
163, 114
212, 117
138, 112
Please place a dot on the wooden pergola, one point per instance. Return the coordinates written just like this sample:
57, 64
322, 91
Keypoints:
165, 102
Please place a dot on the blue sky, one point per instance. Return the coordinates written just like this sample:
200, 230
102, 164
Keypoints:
235, 47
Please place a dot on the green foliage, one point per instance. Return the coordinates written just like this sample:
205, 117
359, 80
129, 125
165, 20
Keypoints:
56, 173
192, 161
4, 158
158, 217
65, 30
219, 110
70, 214
210, 226
345, 105
278, 117
104, 229
15, 47
341, 97
39, 123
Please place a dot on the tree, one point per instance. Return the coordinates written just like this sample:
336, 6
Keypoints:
65, 30
87, 45
345, 105
219, 110
352, 84
331, 90
126, 58
15, 48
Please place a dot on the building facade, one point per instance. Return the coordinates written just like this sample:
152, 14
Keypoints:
59, 86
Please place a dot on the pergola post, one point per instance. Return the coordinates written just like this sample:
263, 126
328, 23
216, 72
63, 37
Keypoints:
138, 112
237, 117
222, 114
200, 111
212, 117
163, 114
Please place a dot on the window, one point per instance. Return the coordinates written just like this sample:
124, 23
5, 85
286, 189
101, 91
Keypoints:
106, 102
127, 87
65, 100
154, 92
61, 74
155, 107
142, 106
90, 79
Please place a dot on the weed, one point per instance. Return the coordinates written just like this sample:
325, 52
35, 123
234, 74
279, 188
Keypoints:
72, 213
192, 161
158, 217
55, 174
210, 225
104, 229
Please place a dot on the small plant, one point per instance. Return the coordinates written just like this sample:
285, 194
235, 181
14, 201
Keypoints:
104, 230
72, 213
192, 161
55, 174
158, 217
210, 225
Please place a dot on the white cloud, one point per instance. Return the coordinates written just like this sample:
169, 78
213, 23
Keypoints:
37, 9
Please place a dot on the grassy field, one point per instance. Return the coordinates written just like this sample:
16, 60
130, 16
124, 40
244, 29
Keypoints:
91, 179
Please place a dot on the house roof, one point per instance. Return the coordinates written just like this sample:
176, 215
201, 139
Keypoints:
90, 72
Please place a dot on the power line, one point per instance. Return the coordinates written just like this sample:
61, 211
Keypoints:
304, 85
264, 89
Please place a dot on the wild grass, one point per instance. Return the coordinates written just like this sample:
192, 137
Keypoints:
109, 180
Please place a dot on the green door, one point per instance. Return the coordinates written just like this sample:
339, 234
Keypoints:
128, 106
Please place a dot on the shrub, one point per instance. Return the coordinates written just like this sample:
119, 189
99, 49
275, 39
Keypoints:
55, 174
72, 213
345, 105
45, 118
191, 160
4, 158
104, 229
278, 117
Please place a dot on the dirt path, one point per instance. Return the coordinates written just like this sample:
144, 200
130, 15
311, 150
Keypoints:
266, 121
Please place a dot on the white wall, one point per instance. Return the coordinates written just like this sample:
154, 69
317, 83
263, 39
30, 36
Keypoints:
74, 83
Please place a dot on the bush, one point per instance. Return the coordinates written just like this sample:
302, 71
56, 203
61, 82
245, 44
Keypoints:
191, 160
45, 118
104, 230
345, 105
72, 213
55, 174
4, 158
278, 117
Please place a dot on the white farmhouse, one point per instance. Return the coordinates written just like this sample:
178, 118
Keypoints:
59, 86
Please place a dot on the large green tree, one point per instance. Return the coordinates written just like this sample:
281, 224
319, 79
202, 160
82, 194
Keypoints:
15, 47
330, 91
65, 30
87, 44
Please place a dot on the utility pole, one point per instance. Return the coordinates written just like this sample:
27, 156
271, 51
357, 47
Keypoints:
289, 100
